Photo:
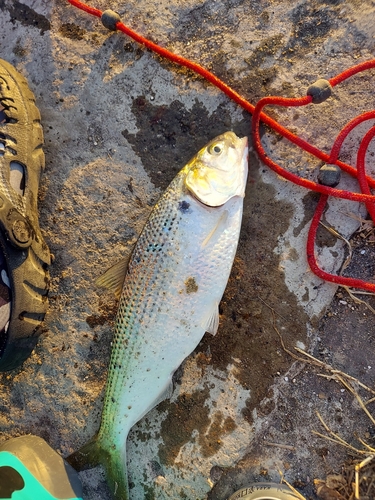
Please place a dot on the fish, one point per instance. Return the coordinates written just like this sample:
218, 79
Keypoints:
173, 283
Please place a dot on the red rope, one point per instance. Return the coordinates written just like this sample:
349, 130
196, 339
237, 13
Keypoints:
342, 136
339, 193
311, 259
370, 205
365, 182
352, 71
86, 8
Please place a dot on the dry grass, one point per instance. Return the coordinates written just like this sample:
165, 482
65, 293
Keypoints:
359, 474
357, 479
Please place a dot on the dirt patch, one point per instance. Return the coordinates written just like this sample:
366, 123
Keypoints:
345, 339
72, 31
177, 428
22, 13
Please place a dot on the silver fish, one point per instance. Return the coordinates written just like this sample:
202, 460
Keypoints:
174, 282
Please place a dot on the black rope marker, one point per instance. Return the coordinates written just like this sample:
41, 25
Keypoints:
319, 91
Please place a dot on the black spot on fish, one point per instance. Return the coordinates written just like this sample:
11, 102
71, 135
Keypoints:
191, 285
113, 400
184, 207
151, 247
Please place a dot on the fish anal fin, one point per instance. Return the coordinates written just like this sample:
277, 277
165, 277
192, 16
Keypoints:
166, 394
114, 277
211, 323
87, 457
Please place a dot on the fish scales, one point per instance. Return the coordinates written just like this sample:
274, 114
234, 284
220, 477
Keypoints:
175, 279
156, 302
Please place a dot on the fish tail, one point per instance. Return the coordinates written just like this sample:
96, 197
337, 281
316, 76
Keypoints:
113, 460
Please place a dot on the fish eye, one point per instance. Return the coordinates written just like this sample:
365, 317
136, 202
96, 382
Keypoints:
215, 149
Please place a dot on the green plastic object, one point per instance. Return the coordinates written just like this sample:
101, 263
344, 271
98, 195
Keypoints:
30, 469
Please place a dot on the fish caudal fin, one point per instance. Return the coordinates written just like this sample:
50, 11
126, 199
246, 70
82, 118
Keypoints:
114, 462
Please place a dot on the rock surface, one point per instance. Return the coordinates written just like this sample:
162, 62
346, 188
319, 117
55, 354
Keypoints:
119, 122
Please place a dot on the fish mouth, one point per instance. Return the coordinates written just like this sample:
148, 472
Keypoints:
242, 148
239, 143
243, 144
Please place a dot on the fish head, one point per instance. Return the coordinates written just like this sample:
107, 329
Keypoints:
219, 170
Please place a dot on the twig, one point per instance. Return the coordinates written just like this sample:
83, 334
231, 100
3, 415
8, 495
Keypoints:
358, 467
359, 301
358, 398
340, 441
350, 377
279, 334
360, 292
341, 237
336, 439
362, 441
335, 377
365, 223
283, 480
370, 486
279, 445
334, 371
314, 361
269, 307
322, 421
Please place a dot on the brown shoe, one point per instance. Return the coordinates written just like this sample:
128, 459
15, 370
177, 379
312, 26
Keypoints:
25, 253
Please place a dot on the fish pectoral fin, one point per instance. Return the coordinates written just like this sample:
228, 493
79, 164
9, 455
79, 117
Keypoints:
114, 277
217, 229
211, 324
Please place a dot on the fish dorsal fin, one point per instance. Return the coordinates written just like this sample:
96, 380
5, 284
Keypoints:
211, 324
218, 228
114, 277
